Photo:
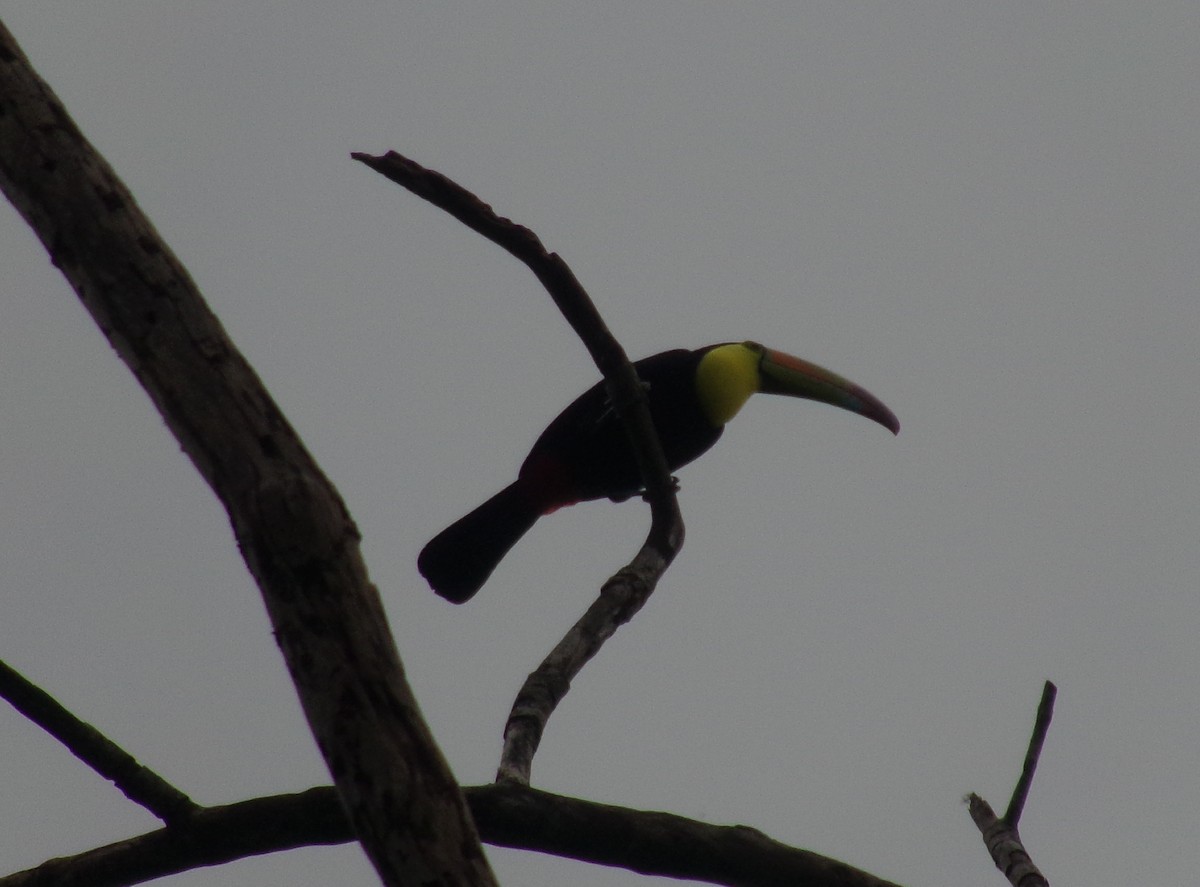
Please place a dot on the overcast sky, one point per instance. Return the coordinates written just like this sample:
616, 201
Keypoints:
986, 213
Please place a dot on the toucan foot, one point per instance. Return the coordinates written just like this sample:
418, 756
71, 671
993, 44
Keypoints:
645, 495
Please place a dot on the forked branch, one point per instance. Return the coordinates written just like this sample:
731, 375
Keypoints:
292, 527
659, 844
394, 791
627, 591
507, 815
1002, 834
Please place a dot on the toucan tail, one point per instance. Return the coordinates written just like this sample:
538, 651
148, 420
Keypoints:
458, 560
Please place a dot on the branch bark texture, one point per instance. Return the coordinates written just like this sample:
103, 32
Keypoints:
1002, 835
292, 527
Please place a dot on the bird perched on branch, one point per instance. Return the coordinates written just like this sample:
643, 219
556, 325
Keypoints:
585, 454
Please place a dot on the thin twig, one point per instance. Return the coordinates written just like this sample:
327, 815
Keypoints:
626, 592
138, 783
1041, 726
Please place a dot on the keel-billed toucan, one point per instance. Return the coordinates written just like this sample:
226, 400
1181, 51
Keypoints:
585, 454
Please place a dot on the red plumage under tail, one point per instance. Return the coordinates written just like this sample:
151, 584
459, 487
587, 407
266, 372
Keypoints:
458, 560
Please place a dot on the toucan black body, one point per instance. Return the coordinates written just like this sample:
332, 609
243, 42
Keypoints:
584, 453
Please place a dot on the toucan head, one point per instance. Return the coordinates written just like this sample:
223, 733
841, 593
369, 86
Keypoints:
728, 374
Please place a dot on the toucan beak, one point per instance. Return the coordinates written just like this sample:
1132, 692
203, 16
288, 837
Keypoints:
783, 374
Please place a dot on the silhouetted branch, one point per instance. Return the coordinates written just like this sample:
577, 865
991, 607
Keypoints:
393, 789
211, 836
626, 592
652, 843
1041, 726
292, 527
140, 784
1002, 835
507, 815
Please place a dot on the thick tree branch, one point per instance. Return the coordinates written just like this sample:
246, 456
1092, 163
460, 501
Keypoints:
507, 815
659, 844
293, 529
302, 548
651, 843
140, 784
1002, 835
626, 592
211, 836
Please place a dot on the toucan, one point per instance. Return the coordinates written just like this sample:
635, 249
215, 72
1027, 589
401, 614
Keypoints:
585, 454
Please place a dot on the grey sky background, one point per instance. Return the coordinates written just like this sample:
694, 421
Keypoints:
987, 213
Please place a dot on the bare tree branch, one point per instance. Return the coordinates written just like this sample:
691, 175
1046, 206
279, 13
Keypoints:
1004, 843
659, 844
507, 814
620, 599
1041, 726
291, 525
138, 783
393, 788
211, 836
627, 591
651, 843
1002, 835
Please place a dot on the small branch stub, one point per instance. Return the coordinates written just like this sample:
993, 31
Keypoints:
1001, 835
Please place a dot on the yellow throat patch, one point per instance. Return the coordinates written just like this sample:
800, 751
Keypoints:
725, 379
